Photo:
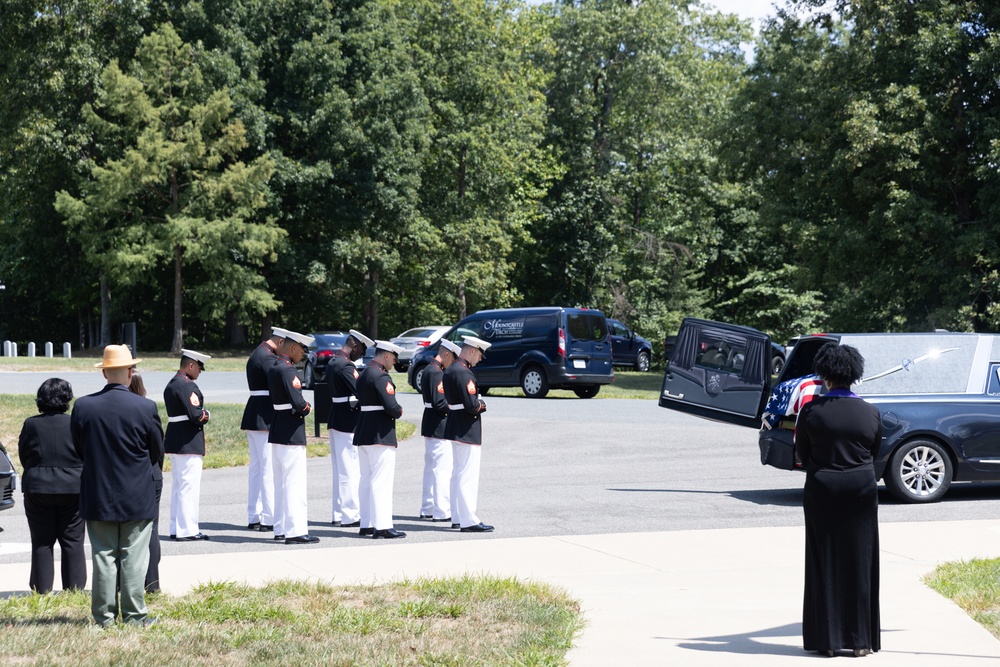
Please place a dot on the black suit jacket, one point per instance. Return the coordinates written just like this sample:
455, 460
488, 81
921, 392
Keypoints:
837, 433
119, 437
51, 464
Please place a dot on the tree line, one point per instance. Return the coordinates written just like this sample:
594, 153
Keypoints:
206, 168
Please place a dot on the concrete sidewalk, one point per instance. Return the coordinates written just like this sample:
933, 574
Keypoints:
712, 597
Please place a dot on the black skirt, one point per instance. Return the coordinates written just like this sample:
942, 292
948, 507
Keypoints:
840, 608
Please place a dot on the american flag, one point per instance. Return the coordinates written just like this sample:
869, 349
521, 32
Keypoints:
789, 397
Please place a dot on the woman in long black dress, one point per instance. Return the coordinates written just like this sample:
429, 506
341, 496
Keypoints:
836, 437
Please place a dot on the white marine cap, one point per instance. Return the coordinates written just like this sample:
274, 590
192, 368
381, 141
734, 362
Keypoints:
197, 356
301, 339
279, 332
472, 341
386, 346
451, 347
361, 338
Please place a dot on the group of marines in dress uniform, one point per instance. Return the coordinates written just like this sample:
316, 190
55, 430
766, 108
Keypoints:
362, 437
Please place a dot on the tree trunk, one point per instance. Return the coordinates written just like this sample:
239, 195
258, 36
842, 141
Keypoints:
105, 313
463, 306
371, 303
235, 333
178, 341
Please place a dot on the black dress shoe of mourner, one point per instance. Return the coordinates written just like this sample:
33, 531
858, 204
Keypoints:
302, 539
447, 518
192, 538
388, 534
478, 528
366, 531
355, 524
279, 537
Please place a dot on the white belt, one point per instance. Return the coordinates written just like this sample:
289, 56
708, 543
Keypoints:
340, 399
371, 408
456, 407
178, 418
260, 392
283, 406
429, 406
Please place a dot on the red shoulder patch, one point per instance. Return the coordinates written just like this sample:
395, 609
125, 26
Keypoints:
471, 386
194, 400
389, 389
355, 372
440, 387
297, 383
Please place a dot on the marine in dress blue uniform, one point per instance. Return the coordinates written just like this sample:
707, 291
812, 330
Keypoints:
256, 423
287, 439
464, 428
342, 378
185, 444
375, 438
436, 496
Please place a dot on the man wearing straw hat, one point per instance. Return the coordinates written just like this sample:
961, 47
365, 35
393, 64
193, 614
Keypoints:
185, 443
256, 423
436, 497
119, 437
287, 438
375, 439
342, 378
465, 430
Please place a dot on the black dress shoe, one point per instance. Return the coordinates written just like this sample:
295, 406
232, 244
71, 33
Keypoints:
447, 518
302, 539
173, 537
279, 537
355, 524
334, 523
426, 516
366, 531
192, 538
478, 528
456, 525
388, 534
253, 526
264, 528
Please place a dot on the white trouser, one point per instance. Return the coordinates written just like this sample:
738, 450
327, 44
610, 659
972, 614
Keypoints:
185, 494
346, 476
437, 478
378, 470
465, 482
291, 507
260, 490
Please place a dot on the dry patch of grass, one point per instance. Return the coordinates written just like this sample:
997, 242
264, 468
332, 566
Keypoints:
441, 622
974, 586
226, 444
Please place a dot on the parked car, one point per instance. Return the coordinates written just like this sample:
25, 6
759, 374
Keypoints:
8, 480
627, 348
938, 394
413, 340
536, 349
326, 343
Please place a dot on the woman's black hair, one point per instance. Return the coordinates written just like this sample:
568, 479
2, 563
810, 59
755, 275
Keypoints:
54, 395
841, 365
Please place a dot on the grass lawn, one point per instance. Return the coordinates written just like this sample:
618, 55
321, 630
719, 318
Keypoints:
226, 444
974, 586
442, 622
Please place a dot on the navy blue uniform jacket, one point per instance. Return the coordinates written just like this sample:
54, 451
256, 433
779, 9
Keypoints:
289, 424
342, 377
435, 404
464, 405
258, 413
49, 459
119, 437
379, 409
186, 416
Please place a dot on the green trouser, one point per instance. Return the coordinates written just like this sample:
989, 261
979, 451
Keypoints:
119, 548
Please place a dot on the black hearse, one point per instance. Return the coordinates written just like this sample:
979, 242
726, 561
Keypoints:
939, 395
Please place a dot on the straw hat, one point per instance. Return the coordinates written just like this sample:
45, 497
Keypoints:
117, 356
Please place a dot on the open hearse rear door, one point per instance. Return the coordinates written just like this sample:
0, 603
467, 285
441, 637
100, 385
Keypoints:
718, 371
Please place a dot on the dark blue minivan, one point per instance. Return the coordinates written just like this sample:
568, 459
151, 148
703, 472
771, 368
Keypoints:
537, 349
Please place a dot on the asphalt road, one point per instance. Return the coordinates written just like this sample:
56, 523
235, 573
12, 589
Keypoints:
556, 466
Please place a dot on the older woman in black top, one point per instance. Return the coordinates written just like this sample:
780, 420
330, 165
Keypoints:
51, 486
836, 437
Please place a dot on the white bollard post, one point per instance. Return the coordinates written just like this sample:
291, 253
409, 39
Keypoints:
67, 351
6, 348
13, 349
48, 350
31, 349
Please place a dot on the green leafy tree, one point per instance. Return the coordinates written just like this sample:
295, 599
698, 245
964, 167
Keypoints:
177, 192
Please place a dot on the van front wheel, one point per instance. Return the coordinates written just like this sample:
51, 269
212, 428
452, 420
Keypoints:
534, 384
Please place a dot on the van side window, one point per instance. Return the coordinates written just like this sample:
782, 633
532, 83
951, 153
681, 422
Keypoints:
599, 326
578, 326
539, 326
469, 328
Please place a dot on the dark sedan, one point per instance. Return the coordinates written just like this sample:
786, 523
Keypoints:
326, 343
8, 480
938, 394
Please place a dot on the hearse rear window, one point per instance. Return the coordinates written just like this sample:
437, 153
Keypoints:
920, 364
717, 354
